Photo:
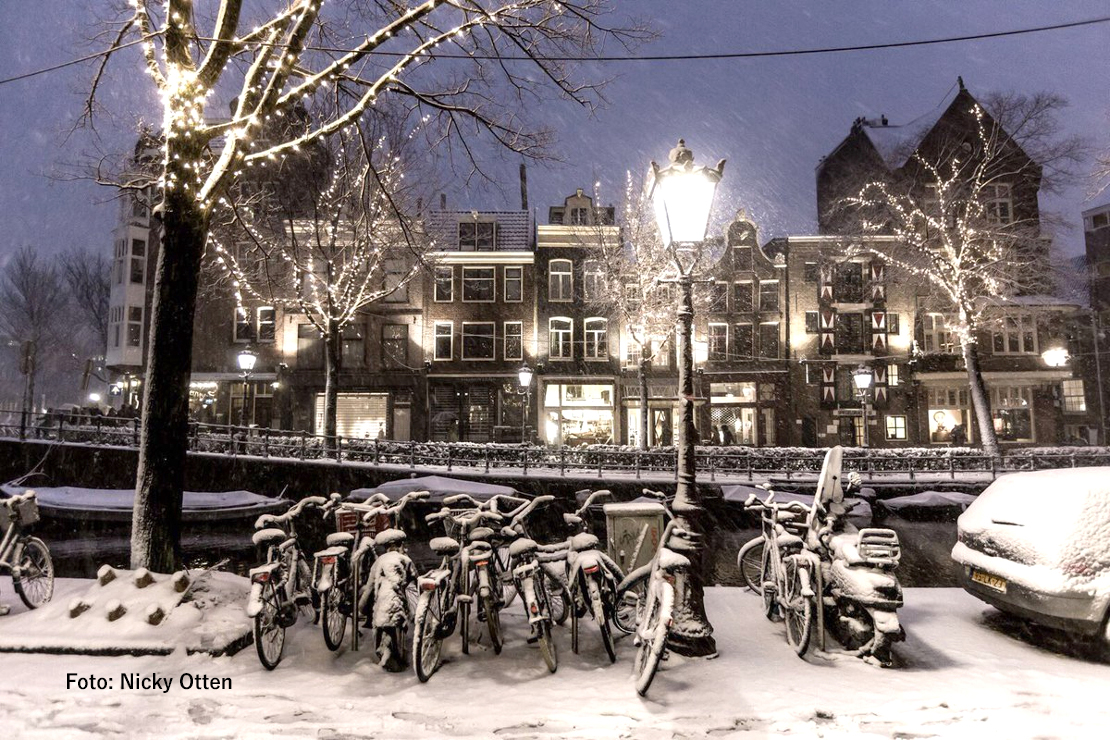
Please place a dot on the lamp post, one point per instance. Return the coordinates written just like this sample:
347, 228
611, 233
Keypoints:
862, 378
682, 194
524, 375
246, 359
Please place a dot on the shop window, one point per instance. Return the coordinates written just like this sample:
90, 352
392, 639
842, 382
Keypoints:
395, 346
514, 340
742, 297
718, 342
743, 341
769, 295
478, 284
267, 324
849, 333
896, 427
769, 341
559, 339
310, 347
1012, 413
597, 339
560, 281
514, 284
477, 236
1075, 401
444, 340
478, 341
444, 284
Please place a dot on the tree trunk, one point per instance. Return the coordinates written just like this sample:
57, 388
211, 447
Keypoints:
156, 525
333, 353
645, 412
692, 634
980, 401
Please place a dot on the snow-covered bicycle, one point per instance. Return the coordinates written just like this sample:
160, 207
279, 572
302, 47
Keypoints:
283, 584
27, 558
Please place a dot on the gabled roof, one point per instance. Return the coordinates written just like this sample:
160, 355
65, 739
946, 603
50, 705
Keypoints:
897, 143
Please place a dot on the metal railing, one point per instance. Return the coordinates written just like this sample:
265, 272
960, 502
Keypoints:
713, 463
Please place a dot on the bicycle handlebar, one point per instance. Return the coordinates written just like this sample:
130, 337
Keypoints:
603, 493
394, 510
287, 518
519, 514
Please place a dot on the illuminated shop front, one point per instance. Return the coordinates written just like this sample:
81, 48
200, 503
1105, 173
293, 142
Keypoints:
358, 415
742, 413
949, 416
576, 414
1012, 413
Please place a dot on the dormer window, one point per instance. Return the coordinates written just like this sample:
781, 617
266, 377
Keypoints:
477, 236
579, 216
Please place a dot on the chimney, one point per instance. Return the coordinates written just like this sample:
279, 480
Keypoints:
523, 187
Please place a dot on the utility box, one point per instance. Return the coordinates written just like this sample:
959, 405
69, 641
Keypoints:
633, 530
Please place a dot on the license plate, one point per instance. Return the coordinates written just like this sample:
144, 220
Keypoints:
988, 580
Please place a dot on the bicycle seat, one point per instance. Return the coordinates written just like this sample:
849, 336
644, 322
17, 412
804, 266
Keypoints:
444, 545
480, 533
268, 536
340, 538
583, 541
787, 540
670, 561
331, 552
522, 546
389, 537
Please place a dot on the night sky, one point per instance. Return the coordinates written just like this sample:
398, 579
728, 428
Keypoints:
772, 118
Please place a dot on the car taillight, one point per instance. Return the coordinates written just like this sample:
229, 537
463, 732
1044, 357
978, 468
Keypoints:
592, 569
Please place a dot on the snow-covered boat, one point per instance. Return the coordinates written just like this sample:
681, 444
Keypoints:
926, 505
440, 487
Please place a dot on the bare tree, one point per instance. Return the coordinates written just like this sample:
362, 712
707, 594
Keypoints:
268, 66
88, 275
344, 239
971, 250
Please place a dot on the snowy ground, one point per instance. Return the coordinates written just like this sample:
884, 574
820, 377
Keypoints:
967, 672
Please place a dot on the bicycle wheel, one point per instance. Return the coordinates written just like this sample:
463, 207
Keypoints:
547, 645
654, 638
627, 608
750, 562
333, 617
33, 576
464, 626
269, 636
800, 609
557, 599
427, 640
493, 622
506, 592
597, 595
767, 585
389, 647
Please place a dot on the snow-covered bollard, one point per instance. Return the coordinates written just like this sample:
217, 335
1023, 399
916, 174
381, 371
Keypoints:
77, 607
180, 581
155, 614
142, 578
114, 610
105, 575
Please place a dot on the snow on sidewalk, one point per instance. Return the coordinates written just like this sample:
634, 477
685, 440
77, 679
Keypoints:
964, 675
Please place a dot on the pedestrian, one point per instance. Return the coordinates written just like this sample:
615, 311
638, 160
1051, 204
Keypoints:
958, 436
727, 437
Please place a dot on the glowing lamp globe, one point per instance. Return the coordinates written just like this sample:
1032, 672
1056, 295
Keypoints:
247, 360
682, 194
524, 375
1055, 357
862, 377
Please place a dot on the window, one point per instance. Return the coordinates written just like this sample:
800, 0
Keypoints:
121, 253
310, 347
813, 373
597, 339
896, 427
477, 341
477, 236
892, 375
353, 346
1100, 220
138, 209
999, 203
769, 340
769, 295
559, 339
445, 284
812, 322
1016, 335
718, 297
938, 337
810, 272
579, 216
743, 341
742, 297
514, 340
633, 352
892, 324
135, 326
395, 346
267, 324
849, 282
444, 340
478, 284
514, 285
593, 280
560, 281
660, 352
849, 333
718, 342
395, 274
742, 258
138, 260
1075, 401
242, 325
632, 296
1012, 413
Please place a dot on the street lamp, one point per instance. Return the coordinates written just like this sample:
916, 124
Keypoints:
246, 359
862, 378
1055, 357
524, 375
682, 194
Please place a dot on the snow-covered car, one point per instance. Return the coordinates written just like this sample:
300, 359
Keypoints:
1038, 545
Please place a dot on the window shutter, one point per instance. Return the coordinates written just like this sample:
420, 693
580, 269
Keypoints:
827, 336
878, 286
878, 332
828, 385
881, 387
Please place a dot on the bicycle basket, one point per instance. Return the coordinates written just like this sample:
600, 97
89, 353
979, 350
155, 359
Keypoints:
21, 510
347, 521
